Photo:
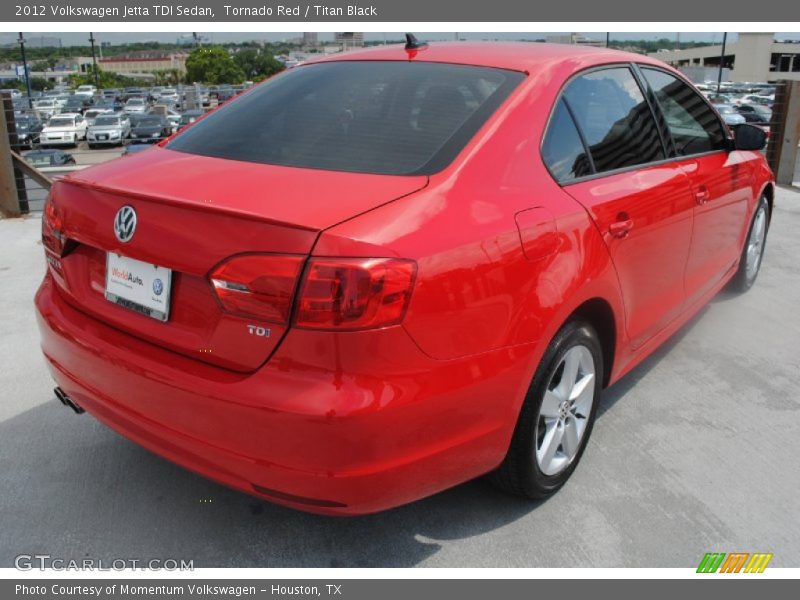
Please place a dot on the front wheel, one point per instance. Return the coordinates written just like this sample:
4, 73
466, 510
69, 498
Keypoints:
557, 415
753, 251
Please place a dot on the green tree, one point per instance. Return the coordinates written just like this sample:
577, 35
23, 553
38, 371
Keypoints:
212, 64
107, 79
257, 64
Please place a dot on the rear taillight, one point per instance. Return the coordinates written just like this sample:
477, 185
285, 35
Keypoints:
53, 237
354, 293
258, 286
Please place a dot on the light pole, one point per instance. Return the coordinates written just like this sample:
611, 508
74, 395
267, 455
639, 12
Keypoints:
94, 63
721, 61
25, 67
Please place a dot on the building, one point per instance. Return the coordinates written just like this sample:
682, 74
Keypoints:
144, 63
41, 41
754, 57
348, 39
310, 38
574, 38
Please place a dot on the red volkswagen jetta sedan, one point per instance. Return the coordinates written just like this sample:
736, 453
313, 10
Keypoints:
381, 274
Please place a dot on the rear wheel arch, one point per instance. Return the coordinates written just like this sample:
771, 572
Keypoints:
598, 313
769, 193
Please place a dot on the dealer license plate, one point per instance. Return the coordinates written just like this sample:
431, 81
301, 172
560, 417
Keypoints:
138, 286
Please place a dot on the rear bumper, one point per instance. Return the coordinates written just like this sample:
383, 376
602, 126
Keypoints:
333, 423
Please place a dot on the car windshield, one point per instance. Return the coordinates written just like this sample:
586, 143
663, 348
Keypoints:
148, 122
725, 110
61, 122
373, 117
135, 101
106, 121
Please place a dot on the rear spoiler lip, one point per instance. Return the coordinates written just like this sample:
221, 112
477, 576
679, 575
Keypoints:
187, 204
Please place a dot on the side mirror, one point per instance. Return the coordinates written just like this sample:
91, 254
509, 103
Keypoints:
749, 137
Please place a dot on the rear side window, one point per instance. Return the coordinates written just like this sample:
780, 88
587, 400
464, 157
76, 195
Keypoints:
375, 117
562, 150
693, 125
615, 119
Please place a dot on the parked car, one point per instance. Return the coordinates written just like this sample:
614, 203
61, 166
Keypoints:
756, 118
135, 105
380, 274
86, 90
91, 114
133, 92
13, 92
77, 104
151, 127
137, 146
29, 127
49, 158
189, 117
173, 116
168, 94
46, 108
760, 109
730, 114
108, 129
65, 129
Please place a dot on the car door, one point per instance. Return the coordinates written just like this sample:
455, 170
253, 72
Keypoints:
640, 202
720, 179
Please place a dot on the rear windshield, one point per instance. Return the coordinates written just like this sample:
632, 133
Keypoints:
106, 121
396, 118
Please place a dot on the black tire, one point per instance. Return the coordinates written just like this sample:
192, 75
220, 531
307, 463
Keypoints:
742, 280
520, 473
91, 146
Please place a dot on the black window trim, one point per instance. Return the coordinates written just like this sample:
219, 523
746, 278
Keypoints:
669, 152
726, 131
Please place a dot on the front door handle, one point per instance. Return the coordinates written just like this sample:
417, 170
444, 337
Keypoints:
701, 195
621, 229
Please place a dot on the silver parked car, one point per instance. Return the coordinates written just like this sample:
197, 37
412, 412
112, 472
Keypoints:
108, 129
729, 114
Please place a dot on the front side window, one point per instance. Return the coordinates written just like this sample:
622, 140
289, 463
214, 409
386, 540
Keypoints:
379, 117
693, 125
615, 119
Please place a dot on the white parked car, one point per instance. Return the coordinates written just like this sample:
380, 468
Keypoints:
91, 114
108, 129
135, 106
169, 93
86, 90
66, 129
46, 107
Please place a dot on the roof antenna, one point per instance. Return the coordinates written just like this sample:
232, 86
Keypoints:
412, 43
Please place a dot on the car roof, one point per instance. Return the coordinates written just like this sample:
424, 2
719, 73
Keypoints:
73, 115
518, 56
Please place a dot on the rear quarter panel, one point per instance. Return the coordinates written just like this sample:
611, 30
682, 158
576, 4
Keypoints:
476, 290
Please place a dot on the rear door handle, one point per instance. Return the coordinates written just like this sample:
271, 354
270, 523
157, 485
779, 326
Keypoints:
701, 195
621, 229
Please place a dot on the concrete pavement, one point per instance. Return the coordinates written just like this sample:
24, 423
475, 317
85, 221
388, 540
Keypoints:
695, 451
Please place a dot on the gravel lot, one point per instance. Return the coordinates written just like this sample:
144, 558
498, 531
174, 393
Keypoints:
695, 451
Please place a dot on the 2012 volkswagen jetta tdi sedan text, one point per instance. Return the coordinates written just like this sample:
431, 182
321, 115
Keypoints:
384, 273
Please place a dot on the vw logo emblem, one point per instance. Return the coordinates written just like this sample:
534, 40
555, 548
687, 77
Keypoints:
125, 224
158, 287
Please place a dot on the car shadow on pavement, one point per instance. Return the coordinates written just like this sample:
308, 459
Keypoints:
74, 489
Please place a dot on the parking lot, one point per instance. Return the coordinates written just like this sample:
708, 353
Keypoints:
695, 451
